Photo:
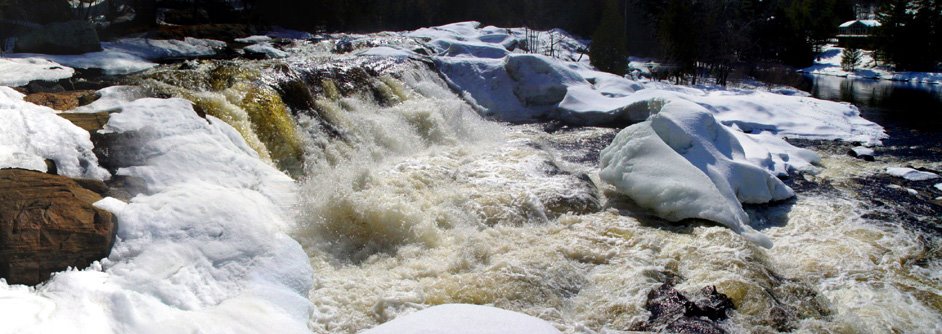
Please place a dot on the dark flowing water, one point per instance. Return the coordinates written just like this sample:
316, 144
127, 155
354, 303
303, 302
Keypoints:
908, 111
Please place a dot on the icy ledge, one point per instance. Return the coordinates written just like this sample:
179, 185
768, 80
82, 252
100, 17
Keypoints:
682, 163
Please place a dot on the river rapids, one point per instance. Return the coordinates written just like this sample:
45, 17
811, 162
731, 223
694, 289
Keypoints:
408, 198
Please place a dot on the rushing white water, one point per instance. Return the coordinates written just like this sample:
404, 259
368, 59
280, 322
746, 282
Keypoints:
423, 203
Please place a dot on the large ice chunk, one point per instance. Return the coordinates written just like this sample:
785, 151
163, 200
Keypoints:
683, 164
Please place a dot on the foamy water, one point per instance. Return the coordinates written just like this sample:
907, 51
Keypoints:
410, 199
424, 203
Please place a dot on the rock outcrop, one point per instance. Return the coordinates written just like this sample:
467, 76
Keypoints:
90, 122
72, 37
62, 101
48, 224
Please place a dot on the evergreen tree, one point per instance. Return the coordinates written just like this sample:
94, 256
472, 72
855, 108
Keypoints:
608, 52
908, 34
850, 59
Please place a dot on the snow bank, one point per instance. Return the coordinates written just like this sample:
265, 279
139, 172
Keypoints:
486, 65
464, 319
19, 72
204, 250
911, 174
155, 49
683, 164
789, 116
131, 55
828, 62
254, 39
110, 61
30, 134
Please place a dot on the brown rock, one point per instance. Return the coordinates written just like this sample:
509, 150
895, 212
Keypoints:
47, 224
63, 101
91, 122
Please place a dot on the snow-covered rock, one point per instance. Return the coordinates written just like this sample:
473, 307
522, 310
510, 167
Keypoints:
19, 72
254, 39
911, 174
30, 134
683, 164
112, 99
861, 152
455, 48
265, 49
464, 319
938, 186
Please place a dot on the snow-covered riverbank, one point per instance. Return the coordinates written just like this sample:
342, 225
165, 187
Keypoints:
829, 63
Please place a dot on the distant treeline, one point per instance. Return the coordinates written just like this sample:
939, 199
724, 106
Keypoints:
696, 37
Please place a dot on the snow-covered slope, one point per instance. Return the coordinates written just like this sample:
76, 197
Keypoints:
204, 249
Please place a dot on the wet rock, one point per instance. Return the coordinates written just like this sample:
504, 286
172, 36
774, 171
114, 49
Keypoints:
63, 101
673, 312
48, 224
39, 86
91, 122
117, 150
690, 325
863, 153
584, 198
51, 167
714, 304
72, 37
780, 319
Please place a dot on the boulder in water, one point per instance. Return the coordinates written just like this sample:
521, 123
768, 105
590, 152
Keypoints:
47, 224
863, 153
72, 37
673, 312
